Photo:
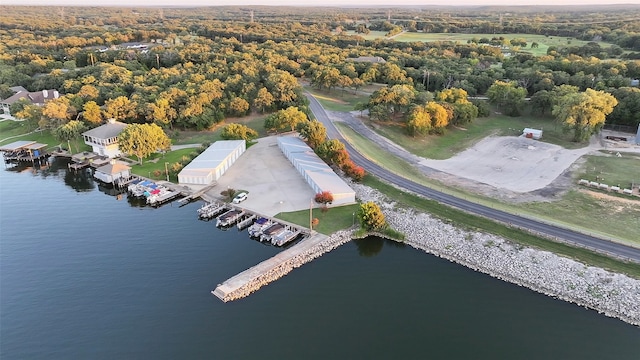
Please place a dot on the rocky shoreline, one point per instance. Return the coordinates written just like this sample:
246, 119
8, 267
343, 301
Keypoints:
614, 295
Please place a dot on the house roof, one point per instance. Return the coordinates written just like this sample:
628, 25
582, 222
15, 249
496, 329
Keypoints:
371, 59
115, 168
106, 131
36, 97
15, 97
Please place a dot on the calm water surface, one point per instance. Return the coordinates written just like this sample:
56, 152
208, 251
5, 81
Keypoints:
86, 275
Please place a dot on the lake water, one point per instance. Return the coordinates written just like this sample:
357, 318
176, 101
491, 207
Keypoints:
87, 275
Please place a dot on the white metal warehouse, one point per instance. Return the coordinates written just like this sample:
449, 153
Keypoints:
315, 171
212, 163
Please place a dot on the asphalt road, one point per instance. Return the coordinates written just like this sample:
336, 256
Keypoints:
566, 235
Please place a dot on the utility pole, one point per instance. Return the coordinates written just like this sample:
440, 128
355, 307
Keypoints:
310, 216
166, 170
251, 15
158, 60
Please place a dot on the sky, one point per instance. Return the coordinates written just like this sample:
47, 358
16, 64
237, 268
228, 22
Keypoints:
350, 3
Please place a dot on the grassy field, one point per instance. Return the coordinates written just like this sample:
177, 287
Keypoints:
473, 222
574, 211
157, 162
544, 42
613, 170
330, 221
339, 100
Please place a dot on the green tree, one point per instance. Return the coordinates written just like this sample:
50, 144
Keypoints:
628, 110
235, 131
70, 131
507, 96
371, 217
332, 151
313, 132
584, 113
142, 140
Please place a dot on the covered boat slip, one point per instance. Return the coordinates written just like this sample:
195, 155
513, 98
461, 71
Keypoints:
212, 163
315, 171
24, 150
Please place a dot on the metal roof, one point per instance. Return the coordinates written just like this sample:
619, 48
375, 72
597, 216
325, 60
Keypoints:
16, 145
106, 131
210, 159
309, 164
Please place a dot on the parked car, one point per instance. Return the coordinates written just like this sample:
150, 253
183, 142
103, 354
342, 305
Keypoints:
240, 198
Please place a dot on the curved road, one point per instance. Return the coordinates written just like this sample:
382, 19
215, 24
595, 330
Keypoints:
570, 236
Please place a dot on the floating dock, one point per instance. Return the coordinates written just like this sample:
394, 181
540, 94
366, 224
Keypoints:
253, 275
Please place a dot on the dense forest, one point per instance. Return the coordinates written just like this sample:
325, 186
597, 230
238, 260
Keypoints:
193, 67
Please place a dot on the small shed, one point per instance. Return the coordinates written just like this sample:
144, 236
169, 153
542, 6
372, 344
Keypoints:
532, 133
113, 172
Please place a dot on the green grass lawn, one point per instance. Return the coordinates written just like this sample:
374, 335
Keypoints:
613, 170
457, 139
150, 165
338, 99
544, 42
332, 220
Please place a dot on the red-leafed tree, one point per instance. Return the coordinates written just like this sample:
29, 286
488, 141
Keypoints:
325, 197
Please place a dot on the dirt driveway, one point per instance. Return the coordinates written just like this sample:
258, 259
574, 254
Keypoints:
513, 163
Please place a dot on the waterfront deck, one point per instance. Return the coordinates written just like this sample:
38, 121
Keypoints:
225, 290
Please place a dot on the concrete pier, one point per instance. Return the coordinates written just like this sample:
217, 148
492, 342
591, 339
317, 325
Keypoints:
252, 279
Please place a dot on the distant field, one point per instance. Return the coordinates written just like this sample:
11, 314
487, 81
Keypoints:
543, 41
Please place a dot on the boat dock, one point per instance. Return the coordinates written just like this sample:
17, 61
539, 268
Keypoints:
253, 277
25, 151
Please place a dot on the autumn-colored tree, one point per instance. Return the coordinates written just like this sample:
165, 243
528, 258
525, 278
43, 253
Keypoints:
353, 171
263, 100
88, 92
142, 140
325, 197
584, 113
91, 113
120, 108
452, 96
440, 117
238, 106
418, 121
283, 120
235, 131
331, 151
56, 112
371, 217
313, 132
395, 99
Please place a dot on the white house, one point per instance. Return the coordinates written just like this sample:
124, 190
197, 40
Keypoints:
113, 172
104, 138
